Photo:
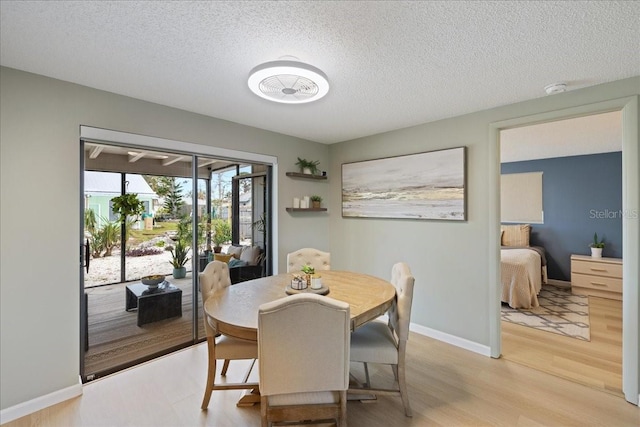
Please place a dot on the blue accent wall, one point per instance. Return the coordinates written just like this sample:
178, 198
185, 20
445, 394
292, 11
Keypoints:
581, 195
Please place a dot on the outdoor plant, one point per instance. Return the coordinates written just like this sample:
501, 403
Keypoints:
221, 232
127, 205
178, 254
308, 164
597, 243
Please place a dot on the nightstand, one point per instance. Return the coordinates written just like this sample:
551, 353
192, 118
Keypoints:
598, 277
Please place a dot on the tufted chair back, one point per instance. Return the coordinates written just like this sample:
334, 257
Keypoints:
215, 276
313, 257
400, 311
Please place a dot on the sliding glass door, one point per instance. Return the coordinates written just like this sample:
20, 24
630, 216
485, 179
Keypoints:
179, 205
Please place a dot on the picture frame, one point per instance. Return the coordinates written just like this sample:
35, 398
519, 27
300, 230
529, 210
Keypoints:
425, 186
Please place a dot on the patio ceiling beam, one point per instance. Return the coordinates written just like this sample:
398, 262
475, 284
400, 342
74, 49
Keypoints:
170, 161
96, 151
135, 157
206, 163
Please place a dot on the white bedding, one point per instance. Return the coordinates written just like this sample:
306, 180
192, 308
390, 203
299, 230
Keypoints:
521, 277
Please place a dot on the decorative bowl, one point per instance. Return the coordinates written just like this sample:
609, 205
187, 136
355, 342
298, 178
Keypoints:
152, 281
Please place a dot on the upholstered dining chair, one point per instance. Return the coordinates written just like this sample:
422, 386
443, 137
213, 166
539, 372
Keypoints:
308, 256
303, 354
215, 277
386, 343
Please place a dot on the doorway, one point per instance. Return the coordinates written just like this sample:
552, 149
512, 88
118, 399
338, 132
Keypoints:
574, 336
631, 228
177, 209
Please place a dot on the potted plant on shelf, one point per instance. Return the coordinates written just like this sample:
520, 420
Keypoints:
307, 166
596, 246
179, 259
316, 201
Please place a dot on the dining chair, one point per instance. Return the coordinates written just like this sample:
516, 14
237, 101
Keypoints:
213, 278
386, 342
308, 256
303, 355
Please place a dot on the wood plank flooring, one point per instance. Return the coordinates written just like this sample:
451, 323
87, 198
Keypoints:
116, 340
448, 386
597, 363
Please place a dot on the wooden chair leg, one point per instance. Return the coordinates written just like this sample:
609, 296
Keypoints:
402, 385
343, 409
263, 411
225, 366
211, 374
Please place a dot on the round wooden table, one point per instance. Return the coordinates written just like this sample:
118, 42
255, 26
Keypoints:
234, 310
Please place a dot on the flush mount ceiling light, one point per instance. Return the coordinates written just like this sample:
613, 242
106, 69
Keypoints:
555, 88
289, 82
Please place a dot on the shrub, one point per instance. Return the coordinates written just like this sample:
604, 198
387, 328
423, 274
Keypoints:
143, 251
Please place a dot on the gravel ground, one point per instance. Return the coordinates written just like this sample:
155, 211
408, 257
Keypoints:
107, 269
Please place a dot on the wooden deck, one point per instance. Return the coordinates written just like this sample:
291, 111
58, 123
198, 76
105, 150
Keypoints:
115, 339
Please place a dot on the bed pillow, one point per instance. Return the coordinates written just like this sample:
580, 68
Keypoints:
515, 235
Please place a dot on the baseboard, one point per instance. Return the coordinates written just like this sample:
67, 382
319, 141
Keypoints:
34, 405
559, 283
451, 339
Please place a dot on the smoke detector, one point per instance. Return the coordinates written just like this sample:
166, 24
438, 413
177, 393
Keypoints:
555, 88
288, 82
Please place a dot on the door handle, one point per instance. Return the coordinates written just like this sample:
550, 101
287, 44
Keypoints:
87, 258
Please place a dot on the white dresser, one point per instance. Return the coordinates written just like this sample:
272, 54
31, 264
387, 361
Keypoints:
599, 277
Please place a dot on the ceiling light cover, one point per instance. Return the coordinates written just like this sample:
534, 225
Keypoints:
288, 82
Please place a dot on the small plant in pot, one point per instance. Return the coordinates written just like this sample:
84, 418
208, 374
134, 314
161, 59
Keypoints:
308, 167
221, 234
316, 201
596, 246
179, 259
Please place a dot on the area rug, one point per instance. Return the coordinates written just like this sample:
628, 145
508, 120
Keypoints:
560, 312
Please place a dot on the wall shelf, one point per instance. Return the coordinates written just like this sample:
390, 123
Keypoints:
305, 175
306, 209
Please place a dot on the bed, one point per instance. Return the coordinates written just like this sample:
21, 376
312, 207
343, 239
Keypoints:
522, 267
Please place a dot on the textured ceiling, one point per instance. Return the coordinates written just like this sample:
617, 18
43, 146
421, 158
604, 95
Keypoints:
390, 64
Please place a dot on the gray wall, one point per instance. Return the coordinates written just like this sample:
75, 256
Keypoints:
39, 279
581, 195
40, 157
450, 260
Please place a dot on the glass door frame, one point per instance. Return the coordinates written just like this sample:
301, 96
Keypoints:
90, 134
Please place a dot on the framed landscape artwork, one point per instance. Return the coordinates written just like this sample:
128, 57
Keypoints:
417, 186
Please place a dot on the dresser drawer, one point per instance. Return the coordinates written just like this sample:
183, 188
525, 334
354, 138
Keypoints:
596, 282
596, 268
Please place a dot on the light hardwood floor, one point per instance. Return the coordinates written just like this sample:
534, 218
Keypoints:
597, 363
448, 386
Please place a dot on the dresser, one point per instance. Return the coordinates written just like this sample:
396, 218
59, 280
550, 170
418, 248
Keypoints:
598, 277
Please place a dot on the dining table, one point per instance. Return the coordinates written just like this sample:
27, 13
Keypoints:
233, 310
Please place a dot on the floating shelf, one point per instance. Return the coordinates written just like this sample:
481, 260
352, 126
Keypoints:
306, 209
305, 175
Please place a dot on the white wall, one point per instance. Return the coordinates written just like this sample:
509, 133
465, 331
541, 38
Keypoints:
40, 122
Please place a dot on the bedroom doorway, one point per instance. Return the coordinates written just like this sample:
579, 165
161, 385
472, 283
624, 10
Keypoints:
597, 359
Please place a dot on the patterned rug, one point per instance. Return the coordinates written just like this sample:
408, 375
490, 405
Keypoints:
560, 312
